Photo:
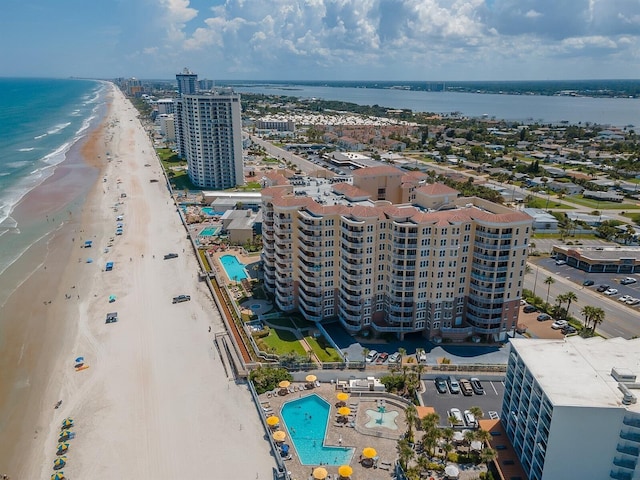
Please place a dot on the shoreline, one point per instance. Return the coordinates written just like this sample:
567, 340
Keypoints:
156, 401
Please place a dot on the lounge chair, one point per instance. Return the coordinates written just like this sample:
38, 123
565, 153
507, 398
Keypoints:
317, 383
268, 394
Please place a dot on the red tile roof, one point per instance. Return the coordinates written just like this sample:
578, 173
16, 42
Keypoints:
438, 189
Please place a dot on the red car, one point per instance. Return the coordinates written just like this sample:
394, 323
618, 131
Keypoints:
382, 357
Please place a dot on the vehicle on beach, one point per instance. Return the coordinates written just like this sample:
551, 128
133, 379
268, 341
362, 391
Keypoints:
170, 255
181, 298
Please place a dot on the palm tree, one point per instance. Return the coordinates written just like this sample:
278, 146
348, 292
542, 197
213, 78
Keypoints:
587, 312
570, 297
411, 416
549, 281
403, 353
405, 452
597, 317
469, 436
477, 412
488, 455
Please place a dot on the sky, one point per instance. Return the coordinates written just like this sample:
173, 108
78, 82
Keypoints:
431, 40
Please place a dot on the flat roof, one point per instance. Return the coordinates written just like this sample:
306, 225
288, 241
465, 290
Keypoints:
576, 371
599, 253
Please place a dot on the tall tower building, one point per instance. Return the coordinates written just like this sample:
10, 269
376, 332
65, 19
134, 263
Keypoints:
187, 82
209, 135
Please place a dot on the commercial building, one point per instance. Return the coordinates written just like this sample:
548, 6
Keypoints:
442, 266
622, 259
570, 409
209, 135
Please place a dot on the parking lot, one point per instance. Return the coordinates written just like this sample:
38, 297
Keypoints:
490, 402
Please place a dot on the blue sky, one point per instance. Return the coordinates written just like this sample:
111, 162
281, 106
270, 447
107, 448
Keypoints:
323, 39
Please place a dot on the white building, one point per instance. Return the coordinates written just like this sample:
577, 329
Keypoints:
167, 127
165, 106
570, 409
209, 136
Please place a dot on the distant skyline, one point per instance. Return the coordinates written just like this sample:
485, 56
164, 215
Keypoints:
430, 40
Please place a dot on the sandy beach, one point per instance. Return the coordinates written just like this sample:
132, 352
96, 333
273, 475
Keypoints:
155, 401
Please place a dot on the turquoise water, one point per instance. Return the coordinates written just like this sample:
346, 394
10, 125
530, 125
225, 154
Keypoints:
211, 212
306, 420
235, 269
209, 231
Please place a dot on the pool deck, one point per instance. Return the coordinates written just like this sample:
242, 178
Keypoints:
358, 437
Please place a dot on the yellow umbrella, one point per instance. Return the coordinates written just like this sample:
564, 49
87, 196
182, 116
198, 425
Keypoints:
58, 476
320, 473
311, 378
343, 397
369, 452
344, 411
345, 470
62, 447
59, 462
279, 436
272, 421
284, 384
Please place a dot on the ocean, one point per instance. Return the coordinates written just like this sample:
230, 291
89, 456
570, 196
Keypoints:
521, 108
40, 122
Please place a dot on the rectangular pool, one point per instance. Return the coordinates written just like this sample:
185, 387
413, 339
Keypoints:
235, 270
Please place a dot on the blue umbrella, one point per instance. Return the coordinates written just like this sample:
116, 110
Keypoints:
89, 260
79, 359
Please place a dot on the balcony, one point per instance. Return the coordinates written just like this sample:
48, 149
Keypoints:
632, 421
631, 436
625, 463
628, 450
349, 315
284, 290
351, 277
485, 311
491, 247
311, 308
620, 475
309, 280
310, 247
399, 308
480, 233
392, 328
285, 304
397, 256
310, 257
489, 268
283, 249
350, 295
452, 330
352, 327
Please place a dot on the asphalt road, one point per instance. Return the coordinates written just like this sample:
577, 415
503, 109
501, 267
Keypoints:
303, 164
620, 320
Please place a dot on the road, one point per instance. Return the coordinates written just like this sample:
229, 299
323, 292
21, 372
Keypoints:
303, 164
620, 320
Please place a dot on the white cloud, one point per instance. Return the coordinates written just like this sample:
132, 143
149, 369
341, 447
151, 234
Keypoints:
532, 14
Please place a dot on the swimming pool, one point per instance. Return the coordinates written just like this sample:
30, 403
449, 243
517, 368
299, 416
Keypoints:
235, 269
306, 420
209, 231
210, 212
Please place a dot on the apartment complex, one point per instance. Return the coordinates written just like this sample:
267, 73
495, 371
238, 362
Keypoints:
443, 266
208, 128
569, 407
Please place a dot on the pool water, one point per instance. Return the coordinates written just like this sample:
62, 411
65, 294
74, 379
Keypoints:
210, 212
209, 232
235, 269
306, 420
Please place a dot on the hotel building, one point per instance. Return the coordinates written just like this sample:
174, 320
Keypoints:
569, 407
208, 130
442, 266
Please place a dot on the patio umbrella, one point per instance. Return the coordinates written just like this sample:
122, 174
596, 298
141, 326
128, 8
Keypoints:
59, 462
345, 471
58, 476
62, 447
320, 473
344, 411
284, 384
311, 378
272, 421
458, 436
369, 452
451, 471
279, 436
342, 396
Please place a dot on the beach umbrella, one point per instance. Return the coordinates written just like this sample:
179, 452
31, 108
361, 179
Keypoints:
62, 448
369, 452
344, 411
64, 436
79, 359
67, 423
272, 421
112, 298
311, 378
58, 476
320, 473
279, 436
59, 462
89, 260
342, 396
284, 384
345, 471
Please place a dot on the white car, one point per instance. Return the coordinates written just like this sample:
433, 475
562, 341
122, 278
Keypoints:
633, 301
611, 291
371, 356
470, 419
456, 417
558, 324
561, 262
624, 298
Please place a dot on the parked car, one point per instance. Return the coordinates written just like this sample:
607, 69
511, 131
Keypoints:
455, 417
441, 385
465, 387
628, 281
558, 324
588, 283
395, 357
454, 386
382, 357
543, 316
421, 355
567, 329
478, 389
529, 309
170, 255
181, 298
561, 262
611, 291
633, 301
624, 298
371, 356
470, 419
602, 288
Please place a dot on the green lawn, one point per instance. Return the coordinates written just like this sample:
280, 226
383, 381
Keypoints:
178, 178
596, 205
283, 341
633, 216
536, 202
322, 349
